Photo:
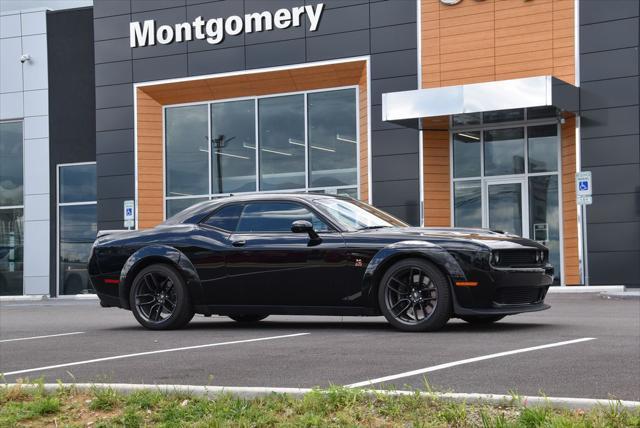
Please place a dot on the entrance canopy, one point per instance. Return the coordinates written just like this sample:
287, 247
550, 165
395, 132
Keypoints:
406, 106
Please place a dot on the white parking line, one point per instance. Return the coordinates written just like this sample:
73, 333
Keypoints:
159, 351
42, 337
467, 361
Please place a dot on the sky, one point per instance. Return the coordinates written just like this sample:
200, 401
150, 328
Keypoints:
7, 5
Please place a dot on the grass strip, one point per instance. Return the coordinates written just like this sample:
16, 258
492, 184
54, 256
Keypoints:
333, 407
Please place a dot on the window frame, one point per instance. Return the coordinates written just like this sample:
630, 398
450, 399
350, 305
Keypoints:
14, 207
211, 196
526, 124
58, 211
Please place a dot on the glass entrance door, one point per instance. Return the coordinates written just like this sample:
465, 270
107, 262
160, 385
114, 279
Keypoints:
506, 206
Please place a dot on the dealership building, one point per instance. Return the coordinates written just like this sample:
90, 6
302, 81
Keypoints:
467, 113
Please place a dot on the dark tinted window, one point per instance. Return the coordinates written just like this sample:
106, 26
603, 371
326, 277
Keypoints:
225, 218
276, 217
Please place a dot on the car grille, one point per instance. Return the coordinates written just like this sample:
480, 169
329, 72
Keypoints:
519, 295
519, 258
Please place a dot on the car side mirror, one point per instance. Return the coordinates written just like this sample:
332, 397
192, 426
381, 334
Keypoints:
304, 226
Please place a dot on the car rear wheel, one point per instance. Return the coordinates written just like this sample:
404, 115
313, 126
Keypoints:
414, 296
159, 298
249, 318
482, 319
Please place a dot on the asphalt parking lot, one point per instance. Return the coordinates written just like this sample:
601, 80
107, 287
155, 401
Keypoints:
584, 346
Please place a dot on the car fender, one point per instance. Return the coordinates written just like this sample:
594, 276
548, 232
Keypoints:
387, 255
158, 254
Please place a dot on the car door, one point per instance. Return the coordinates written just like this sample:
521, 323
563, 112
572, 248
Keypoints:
268, 264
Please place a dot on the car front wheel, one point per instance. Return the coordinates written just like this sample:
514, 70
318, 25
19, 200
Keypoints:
414, 296
159, 298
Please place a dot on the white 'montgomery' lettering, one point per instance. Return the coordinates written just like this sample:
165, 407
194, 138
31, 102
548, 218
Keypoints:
297, 13
314, 15
282, 18
165, 34
198, 25
253, 22
233, 25
215, 31
145, 36
184, 32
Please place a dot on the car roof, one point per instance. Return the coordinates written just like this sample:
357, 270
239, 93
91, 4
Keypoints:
195, 213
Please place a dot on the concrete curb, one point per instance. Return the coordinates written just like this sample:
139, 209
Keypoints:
626, 295
252, 392
46, 298
572, 289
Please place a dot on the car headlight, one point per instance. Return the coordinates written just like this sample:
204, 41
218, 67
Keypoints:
495, 258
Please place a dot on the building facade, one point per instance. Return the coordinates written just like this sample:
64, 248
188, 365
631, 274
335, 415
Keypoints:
475, 113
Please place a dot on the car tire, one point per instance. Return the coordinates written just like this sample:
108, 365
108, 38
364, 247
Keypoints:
159, 298
482, 319
429, 296
248, 318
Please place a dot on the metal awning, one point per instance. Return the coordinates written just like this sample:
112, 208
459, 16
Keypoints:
406, 106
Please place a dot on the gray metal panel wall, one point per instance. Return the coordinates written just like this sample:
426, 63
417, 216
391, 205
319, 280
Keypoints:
384, 29
72, 129
609, 42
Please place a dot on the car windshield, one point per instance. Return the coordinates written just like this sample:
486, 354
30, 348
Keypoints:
356, 215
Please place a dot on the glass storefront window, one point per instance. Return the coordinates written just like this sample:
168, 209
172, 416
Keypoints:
78, 183
466, 154
11, 165
11, 209
503, 115
516, 190
504, 151
186, 155
544, 218
282, 142
467, 203
78, 230
233, 147
174, 206
333, 145
543, 148
77, 226
11, 251
466, 119
316, 153
543, 112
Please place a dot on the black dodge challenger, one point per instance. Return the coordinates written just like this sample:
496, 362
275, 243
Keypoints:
250, 256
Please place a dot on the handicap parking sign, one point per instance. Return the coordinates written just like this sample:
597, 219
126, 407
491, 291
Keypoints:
583, 185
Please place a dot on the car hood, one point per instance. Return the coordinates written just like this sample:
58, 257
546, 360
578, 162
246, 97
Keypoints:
459, 238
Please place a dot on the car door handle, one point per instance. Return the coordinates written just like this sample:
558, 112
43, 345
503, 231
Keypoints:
238, 243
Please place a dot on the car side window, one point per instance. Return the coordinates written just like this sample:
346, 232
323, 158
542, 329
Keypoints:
226, 218
276, 217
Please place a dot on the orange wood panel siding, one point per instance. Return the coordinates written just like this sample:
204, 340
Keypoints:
150, 100
569, 208
149, 161
482, 41
436, 170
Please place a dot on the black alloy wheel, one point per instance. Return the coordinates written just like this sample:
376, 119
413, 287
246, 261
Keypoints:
414, 296
482, 319
159, 299
248, 318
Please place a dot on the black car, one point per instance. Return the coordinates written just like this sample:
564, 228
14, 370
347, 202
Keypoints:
250, 256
